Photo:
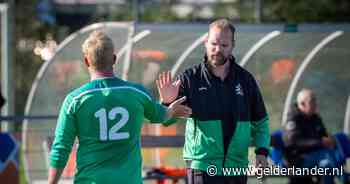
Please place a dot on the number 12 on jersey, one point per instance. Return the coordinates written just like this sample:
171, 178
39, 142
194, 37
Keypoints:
112, 133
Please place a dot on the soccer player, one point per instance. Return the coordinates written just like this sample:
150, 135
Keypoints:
106, 116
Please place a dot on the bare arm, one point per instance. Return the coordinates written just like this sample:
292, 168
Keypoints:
54, 175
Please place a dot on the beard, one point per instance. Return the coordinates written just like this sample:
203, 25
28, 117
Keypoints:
217, 60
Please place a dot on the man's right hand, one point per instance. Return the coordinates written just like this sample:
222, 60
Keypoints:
168, 90
176, 110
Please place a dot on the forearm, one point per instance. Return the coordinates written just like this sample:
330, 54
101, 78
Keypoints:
261, 134
54, 175
169, 120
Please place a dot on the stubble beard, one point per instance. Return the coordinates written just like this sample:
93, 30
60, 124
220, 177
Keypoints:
219, 60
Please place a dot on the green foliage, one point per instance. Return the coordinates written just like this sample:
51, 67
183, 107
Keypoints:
158, 13
300, 11
26, 29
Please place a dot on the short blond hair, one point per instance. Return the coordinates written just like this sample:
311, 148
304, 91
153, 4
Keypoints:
99, 48
223, 24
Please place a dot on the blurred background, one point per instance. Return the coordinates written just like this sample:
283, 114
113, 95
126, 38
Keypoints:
286, 44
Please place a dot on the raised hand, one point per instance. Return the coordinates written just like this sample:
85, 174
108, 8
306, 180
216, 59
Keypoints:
168, 90
176, 110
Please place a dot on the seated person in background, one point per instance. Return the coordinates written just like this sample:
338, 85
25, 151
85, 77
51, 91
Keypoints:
306, 139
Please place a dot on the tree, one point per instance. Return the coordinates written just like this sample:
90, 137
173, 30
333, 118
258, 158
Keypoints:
27, 29
303, 11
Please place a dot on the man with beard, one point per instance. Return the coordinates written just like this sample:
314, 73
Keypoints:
228, 111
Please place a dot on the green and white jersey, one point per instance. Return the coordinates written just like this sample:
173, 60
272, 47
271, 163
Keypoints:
106, 116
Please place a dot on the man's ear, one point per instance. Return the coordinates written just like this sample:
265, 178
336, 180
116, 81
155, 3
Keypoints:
205, 41
114, 57
206, 37
86, 61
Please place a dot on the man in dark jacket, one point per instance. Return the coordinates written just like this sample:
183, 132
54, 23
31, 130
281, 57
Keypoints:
306, 139
228, 112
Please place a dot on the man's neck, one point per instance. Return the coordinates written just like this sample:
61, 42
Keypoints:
101, 74
221, 71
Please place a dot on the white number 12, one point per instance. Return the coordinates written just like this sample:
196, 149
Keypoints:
113, 133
